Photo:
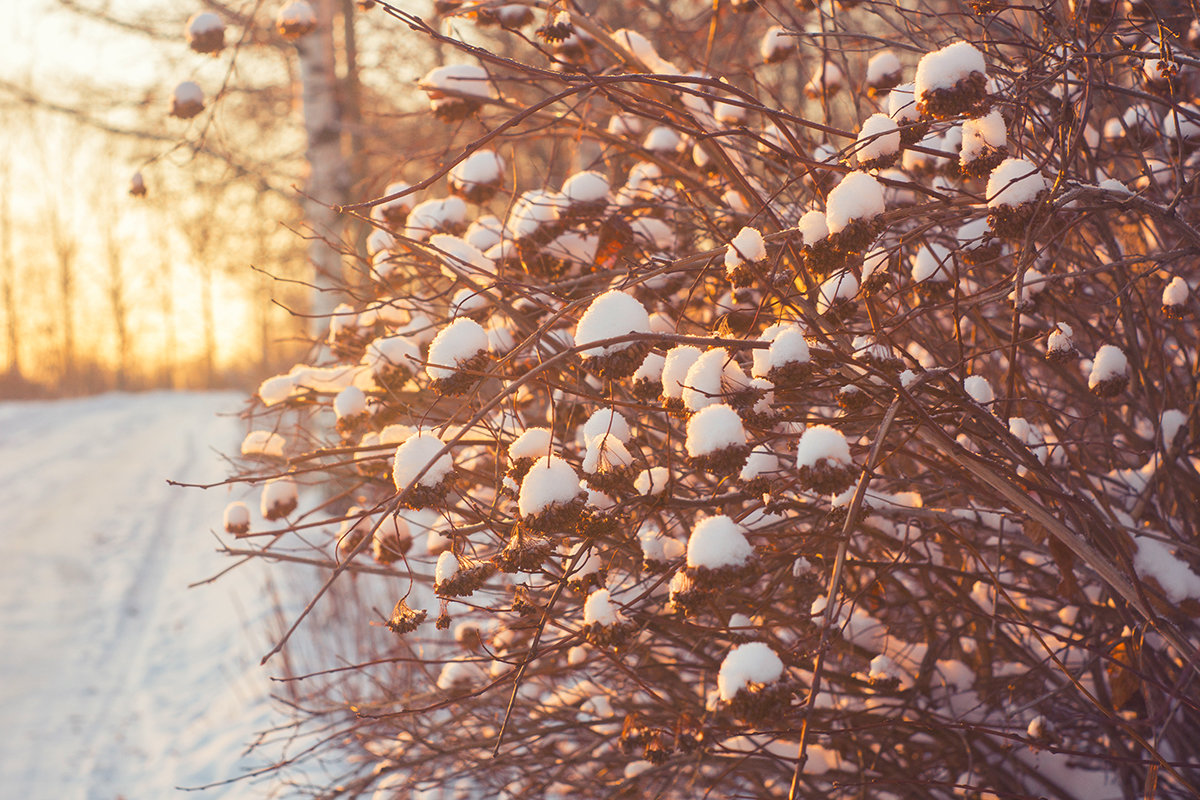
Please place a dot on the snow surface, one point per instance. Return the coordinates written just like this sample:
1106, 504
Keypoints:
714, 428
1013, 182
753, 662
718, 542
116, 680
943, 68
1110, 362
412, 456
857, 196
822, 442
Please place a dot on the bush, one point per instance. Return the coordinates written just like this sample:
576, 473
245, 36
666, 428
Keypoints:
729, 467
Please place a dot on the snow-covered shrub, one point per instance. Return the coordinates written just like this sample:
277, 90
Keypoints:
724, 496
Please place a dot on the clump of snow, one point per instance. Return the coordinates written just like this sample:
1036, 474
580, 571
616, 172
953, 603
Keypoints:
470, 80
237, 517
390, 352
1155, 560
747, 247
458, 342
433, 215
788, 346
624, 125
657, 546
605, 452
1059, 342
652, 482
874, 265
263, 443
714, 428
932, 263
902, 104
350, 402
662, 139
1110, 363
718, 542
187, 100
588, 186
838, 288
484, 233
1029, 436
878, 138
761, 461
821, 442
974, 234
458, 256
550, 481
1182, 122
447, 567
1175, 293
678, 362
606, 421
468, 301
881, 669
1015, 182
813, 226
532, 443
942, 69
981, 133
598, 609
279, 498
614, 313
857, 197
533, 210
414, 454
883, 67
1172, 421
297, 16
481, 168
746, 664
979, 389
651, 368
827, 79
776, 44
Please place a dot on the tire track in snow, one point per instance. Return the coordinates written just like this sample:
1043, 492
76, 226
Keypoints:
114, 679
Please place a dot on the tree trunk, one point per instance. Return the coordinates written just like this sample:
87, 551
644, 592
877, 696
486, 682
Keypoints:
328, 174
117, 305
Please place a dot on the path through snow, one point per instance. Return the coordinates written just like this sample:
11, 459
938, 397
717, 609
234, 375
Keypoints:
116, 680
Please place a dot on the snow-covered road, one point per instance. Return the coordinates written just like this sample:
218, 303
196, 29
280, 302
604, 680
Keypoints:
116, 680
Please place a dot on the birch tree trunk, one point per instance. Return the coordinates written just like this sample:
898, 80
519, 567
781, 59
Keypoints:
328, 175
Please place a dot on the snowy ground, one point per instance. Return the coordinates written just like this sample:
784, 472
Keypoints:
116, 680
